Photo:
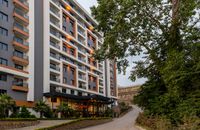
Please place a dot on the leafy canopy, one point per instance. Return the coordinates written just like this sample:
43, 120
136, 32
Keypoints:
167, 33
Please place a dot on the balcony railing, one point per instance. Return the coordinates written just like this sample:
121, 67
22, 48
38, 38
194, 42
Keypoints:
21, 13
55, 23
20, 41
54, 45
82, 50
21, 27
19, 55
57, 34
81, 32
81, 77
24, 2
55, 56
21, 84
54, 11
82, 86
82, 59
56, 2
55, 67
55, 79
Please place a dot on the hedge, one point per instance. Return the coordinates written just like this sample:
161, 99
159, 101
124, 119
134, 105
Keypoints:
18, 119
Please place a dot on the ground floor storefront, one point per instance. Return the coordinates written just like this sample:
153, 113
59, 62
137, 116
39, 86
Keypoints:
86, 106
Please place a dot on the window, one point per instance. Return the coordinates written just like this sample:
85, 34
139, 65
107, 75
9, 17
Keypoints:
80, 93
72, 92
71, 27
3, 77
4, 2
53, 99
64, 48
2, 91
64, 80
3, 46
3, 31
19, 54
3, 16
65, 69
64, 90
18, 82
72, 70
3, 61
72, 51
18, 67
19, 40
72, 82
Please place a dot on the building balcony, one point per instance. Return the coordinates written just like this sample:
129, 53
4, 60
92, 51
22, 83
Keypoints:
20, 45
21, 16
56, 56
20, 59
55, 79
55, 45
101, 84
82, 59
20, 86
22, 4
57, 68
82, 86
21, 30
82, 77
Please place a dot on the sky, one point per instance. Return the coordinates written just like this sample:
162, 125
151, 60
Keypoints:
122, 80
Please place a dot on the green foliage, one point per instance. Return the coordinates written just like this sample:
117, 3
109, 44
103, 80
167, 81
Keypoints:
167, 34
42, 108
109, 112
64, 109
24, 113
123, 107
6, 103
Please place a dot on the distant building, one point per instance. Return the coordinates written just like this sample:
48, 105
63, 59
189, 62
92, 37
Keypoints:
125, 94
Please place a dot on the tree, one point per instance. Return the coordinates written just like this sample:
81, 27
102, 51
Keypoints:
6, 103
64, 109
41, 107
167, 33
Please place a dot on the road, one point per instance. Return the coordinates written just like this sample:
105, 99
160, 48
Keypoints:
125, 122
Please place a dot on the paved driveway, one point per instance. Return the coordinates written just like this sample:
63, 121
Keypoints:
123, 123
44, 123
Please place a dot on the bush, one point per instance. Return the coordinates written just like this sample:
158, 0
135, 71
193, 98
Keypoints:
109, 112
24, 113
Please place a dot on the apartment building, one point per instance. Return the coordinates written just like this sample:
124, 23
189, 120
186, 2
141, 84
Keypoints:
17, 50
65, 43
46, 53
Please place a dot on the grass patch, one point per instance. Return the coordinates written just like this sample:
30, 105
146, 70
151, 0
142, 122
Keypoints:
77, 124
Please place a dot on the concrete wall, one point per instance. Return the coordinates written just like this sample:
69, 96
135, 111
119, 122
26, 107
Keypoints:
39, 46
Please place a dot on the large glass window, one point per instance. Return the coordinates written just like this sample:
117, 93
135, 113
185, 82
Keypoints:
3, 77
4, 2
3, 46
3, 61
3, 16
3, 31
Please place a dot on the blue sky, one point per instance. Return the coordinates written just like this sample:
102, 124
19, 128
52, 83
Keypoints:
122, 79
